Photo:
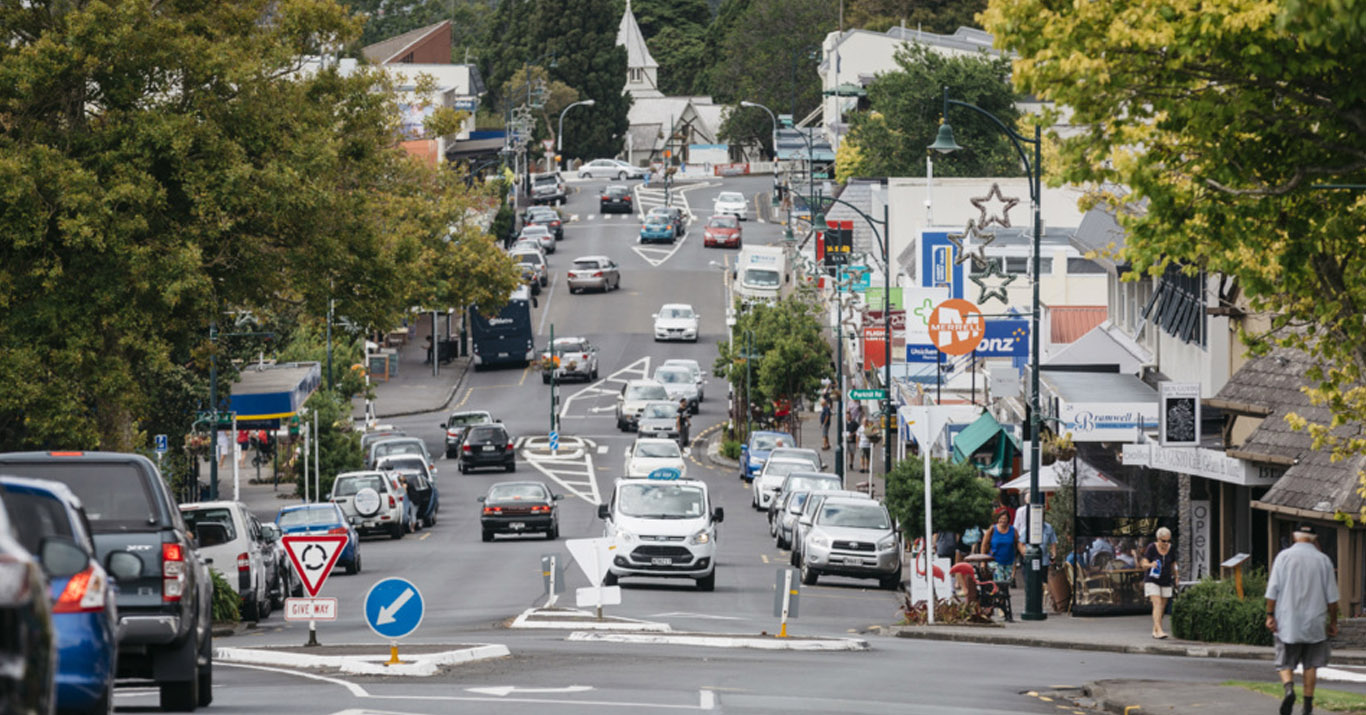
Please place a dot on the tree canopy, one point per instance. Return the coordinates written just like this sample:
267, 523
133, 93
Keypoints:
676, 32
1223, 121
939, 16
789, 356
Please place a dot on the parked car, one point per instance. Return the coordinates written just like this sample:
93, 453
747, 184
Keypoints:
616, 199
799, 481
852, 537
658, 419
678, 381
29, 648
418, 482
50, 523
384, 432
488, 445
323, 518
530, 244
239, 554
547, 188
789, 508
723, 231
457, 424
288, 583
755, 450
648, 454
165, 602
674, 216
657, 229
802, 454
574, 357
519, 508
814, 498
632, 399
400, 445
676, 321
770, 480
694, 369
610, 169
370, 502
547, 216
535, 271
730, 203
596, 272
542, 235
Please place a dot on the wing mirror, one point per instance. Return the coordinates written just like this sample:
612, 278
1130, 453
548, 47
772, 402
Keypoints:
557, 497
603, 511
480, 499
718, 515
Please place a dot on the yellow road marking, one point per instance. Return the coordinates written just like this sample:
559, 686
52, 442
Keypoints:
764, 557
525, 370
424, 536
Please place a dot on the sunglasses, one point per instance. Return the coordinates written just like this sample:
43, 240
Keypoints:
1165, 541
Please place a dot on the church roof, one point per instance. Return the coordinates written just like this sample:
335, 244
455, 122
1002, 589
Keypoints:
386, 50
630, 37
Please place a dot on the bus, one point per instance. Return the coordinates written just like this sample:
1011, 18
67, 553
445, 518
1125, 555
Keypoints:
505, 338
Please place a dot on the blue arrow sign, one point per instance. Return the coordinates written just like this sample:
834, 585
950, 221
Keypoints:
161, 443
555, 440
393, 608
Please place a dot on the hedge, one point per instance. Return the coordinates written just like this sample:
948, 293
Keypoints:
1211, 611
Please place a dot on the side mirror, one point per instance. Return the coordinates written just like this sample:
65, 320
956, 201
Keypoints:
480, 499
442, 425
62, 558
603, 511
557, 497
123, 565
654, 315
718, 515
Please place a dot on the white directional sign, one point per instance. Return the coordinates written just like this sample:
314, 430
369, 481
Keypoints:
593, 556
598, 596
310, 609
313, 557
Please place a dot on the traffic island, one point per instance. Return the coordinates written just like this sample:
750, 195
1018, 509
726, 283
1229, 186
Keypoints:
725, 640
553, 617
414, 660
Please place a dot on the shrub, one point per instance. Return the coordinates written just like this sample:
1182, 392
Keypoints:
730, 449
1210, 611
945, 612
225, 600
962, 496
503, 223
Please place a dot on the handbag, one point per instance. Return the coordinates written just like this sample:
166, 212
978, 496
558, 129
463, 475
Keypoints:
972, 536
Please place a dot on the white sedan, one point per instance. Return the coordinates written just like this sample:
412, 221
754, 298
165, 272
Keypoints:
676, 321
610, 169
651, 453
729, 203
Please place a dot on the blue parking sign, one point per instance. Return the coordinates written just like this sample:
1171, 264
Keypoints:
160, 441
393, 608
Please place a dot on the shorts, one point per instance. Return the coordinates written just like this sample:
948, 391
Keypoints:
1309, 655
1152, 589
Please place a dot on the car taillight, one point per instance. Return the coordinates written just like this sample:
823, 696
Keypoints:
606, 198
244, 561
540, 510
84, 593
626, 198
172, 572
466, 448
342, 529
65, 454
392, 503
510, 445
493, 510
598, 274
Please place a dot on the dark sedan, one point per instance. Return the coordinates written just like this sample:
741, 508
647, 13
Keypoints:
487, 445
520, 508
547, 216
615, 199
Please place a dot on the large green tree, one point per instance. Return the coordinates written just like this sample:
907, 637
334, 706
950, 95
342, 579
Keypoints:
582, 34
1225, 121
676, 32
163, 163
905, 107
941, 16
787, 357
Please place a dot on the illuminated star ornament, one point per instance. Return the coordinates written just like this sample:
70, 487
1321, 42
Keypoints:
997, 289
963, 242
1002, 218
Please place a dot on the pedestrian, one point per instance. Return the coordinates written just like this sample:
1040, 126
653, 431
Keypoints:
825, 423
1160, 561
851, 428
683, 422
1002, 543
948, 546
427, 343
1302, 610
243, 443
865, 445
224, 445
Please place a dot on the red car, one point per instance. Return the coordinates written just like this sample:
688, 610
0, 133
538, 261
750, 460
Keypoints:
722, 231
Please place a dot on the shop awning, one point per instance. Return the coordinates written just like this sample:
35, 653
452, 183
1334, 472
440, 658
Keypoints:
268, 395
979, 435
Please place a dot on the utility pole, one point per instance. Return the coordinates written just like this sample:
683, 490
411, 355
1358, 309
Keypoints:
554, 363
213, 414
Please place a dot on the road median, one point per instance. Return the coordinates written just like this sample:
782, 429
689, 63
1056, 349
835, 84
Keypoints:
369, 659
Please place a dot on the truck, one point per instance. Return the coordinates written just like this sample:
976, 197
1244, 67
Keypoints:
760, 273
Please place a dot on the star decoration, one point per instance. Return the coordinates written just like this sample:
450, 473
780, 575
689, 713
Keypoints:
998, 288
962, 241
1003, 218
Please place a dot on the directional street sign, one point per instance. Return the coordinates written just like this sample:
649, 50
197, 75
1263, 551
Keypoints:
554, 440
313, 557
868, 394
310, 609
393, 608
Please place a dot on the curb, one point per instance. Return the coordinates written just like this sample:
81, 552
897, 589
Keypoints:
573, 619
718, 640
459, 381
414, 665
225, 630
714, 455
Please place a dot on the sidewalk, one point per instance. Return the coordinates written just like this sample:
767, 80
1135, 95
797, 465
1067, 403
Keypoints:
414, 390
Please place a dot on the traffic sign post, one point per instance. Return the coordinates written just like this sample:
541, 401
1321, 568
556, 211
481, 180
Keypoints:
785, 598
313, 556
552, 574
594, 556
393, 609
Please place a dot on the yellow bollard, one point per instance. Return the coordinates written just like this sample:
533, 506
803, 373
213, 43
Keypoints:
393, 654
782, 633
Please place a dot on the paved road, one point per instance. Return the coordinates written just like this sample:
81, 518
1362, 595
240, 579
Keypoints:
472, 588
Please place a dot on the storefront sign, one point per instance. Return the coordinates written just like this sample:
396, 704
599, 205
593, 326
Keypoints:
956, 327
1180, 414
1195, 461
937, 267
1107, 421
1005, 338
1200, 527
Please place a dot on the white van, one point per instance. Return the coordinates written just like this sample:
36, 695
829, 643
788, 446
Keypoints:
760, 272
663, 527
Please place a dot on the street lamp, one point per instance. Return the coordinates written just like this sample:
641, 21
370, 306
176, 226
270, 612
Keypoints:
944, 144
810, 163
774, 119
559, 136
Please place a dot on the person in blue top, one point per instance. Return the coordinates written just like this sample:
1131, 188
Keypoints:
1001, 542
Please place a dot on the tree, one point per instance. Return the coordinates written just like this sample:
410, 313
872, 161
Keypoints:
582, 34
789, 354
389, 18
507, 45
555, 96
682, 56
1222, 122
181, 163
939, 16
960, 497
905, 108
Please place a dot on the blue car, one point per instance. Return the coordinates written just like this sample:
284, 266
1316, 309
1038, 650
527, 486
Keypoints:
656, 229
49, 521
754, 452
324, 518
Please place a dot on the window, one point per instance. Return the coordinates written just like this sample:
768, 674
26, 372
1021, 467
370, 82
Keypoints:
1020, 265
636, 74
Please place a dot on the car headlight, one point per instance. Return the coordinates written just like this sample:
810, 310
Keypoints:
701, 537
820, 542
624, 535
887, 543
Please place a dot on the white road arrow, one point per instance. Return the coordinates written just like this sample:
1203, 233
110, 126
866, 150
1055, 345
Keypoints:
506, 690
386, 613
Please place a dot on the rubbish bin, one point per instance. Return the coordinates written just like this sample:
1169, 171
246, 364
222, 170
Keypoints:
448, 350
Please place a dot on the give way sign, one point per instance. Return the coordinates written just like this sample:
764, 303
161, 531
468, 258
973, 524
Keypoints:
313, 557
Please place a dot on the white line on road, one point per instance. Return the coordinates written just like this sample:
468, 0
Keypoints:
545, 309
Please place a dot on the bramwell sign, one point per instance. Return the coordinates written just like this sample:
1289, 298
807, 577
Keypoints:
1107, 421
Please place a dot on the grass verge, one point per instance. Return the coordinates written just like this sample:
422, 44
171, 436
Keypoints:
1326, 699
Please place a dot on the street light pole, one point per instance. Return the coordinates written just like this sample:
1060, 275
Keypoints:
944, 144
559, 136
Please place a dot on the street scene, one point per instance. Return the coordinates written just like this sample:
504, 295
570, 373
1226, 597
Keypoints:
766, 356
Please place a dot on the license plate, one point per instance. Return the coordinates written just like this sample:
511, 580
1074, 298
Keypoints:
489, 448
852, 562
516, 525
662, 561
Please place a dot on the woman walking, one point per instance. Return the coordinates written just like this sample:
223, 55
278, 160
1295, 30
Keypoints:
1001, 543
1160, 561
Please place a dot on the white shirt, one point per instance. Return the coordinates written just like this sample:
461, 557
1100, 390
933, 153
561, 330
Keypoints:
1302, 584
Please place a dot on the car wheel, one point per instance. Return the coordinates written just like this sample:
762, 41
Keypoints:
708, 582
594, 376
545, 378
511, 467
353, 565
180, 695
809, 575
359, 564
277, 598
396, 532
782, 543
609, 579
694, 408
464, 469
892, 582
452, 454
545, 281
621, 176
251, 609
554, 533
487, 535
205, 675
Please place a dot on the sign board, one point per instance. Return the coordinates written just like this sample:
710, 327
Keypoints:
1235, 560
858, 278
1107, 421
552, 565
937, 266
597, 596
593, 556
393, 608
1200, 539
160, 441
956, 327
873, 296
1178, 414
793, 586
867, 394
1005, 338
666, 473
313, 556
310, 609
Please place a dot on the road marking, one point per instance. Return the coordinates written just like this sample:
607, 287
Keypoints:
575, 217
424, 536
527, 369
638, 369
765, 556
506, 690
591, 217
545, 309
356, 690
602, 450
576, 474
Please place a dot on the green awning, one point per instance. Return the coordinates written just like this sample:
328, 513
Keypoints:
986, 433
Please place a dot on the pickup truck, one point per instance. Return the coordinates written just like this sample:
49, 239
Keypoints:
574, 357
165, 593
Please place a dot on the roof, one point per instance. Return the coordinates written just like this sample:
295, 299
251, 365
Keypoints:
964, 39
1083, 387
977, 435
1067, 323
1102, 345
273, 392
630, 37
385, 50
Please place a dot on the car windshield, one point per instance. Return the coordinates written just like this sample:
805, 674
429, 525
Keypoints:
809, 483
114, 494
783, 468
349, 486
662, 410
407, 464
794, 505
730, 197
545, 179
535, 231
854, 516
308, 517
585, 265
724, 222
673, 377
511, 492
762, 278
658, 450
195, 517
675, 313
34, 517
570, 346
528, 259
766, 442
646, 392
661, 501
468, 418
385, 449
617, 192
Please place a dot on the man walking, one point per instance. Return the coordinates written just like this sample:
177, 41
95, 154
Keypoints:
826, 413
1302, 610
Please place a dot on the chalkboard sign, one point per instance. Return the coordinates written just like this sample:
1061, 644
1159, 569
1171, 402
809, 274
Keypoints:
379, 367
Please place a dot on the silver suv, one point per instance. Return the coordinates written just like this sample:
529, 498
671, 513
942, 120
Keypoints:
371, 501
852, 537
631, 401
547, 189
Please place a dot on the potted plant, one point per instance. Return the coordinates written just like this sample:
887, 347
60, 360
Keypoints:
1061, 515
1057, 447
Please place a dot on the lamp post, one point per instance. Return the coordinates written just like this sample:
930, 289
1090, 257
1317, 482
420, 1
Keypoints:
787, 230
559, 136
944, 144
